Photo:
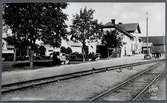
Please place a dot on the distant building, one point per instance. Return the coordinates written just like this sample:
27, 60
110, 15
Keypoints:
6, 48
145, 46
75, 46
130, 34
158, 43
7, 51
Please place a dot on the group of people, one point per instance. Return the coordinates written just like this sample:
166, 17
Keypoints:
156, 54
57, 58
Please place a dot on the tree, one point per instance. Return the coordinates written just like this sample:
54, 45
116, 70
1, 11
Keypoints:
32, 21
84, 28
68, 50
112, 39
63, 49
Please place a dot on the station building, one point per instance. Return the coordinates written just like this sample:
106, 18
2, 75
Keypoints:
130, 33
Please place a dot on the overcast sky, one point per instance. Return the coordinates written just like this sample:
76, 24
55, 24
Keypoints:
125, 13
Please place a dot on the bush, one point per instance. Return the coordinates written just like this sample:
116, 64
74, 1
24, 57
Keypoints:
76, 56
63, 49
7, 57
67, 50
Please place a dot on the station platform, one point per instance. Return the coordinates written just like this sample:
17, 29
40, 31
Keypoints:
16, 76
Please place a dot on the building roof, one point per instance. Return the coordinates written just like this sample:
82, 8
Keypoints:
156, 40
145, 44
74, 44
131, 27
111, 25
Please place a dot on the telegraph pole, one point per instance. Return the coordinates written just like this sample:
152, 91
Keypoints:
147, 55
147, 32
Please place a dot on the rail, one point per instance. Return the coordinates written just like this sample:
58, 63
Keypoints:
123, 83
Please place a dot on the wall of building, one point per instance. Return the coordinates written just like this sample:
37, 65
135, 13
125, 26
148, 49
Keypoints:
158, 48
50, 49
7, 48
76, 49
131, 46
126, 49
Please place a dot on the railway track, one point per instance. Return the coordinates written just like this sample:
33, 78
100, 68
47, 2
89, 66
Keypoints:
6, 88
132, 88
143, 90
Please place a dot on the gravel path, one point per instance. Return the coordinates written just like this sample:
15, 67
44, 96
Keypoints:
78, 89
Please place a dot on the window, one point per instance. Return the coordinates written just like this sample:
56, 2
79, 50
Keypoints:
10, 48
50, 50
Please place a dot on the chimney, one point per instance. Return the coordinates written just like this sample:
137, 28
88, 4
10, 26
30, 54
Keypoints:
120, 23
113, 21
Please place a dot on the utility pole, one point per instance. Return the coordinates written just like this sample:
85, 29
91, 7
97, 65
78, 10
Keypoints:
147, 33
147, 55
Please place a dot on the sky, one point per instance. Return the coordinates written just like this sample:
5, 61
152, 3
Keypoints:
125, 13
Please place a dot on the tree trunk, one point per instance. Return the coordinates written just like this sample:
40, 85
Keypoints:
14, 55
108, 52
83, 50
83, 54
31, 59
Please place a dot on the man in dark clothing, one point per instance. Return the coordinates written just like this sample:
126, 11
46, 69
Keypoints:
56, 60
157, 55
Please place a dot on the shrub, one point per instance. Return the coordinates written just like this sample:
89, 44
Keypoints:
76, 56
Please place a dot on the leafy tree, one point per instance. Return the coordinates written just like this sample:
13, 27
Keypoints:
84, 27
68, 50
112, 39
32, 21
63, 49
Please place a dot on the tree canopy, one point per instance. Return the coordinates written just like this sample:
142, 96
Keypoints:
32, 21
85, 27
112, 39
67, 50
